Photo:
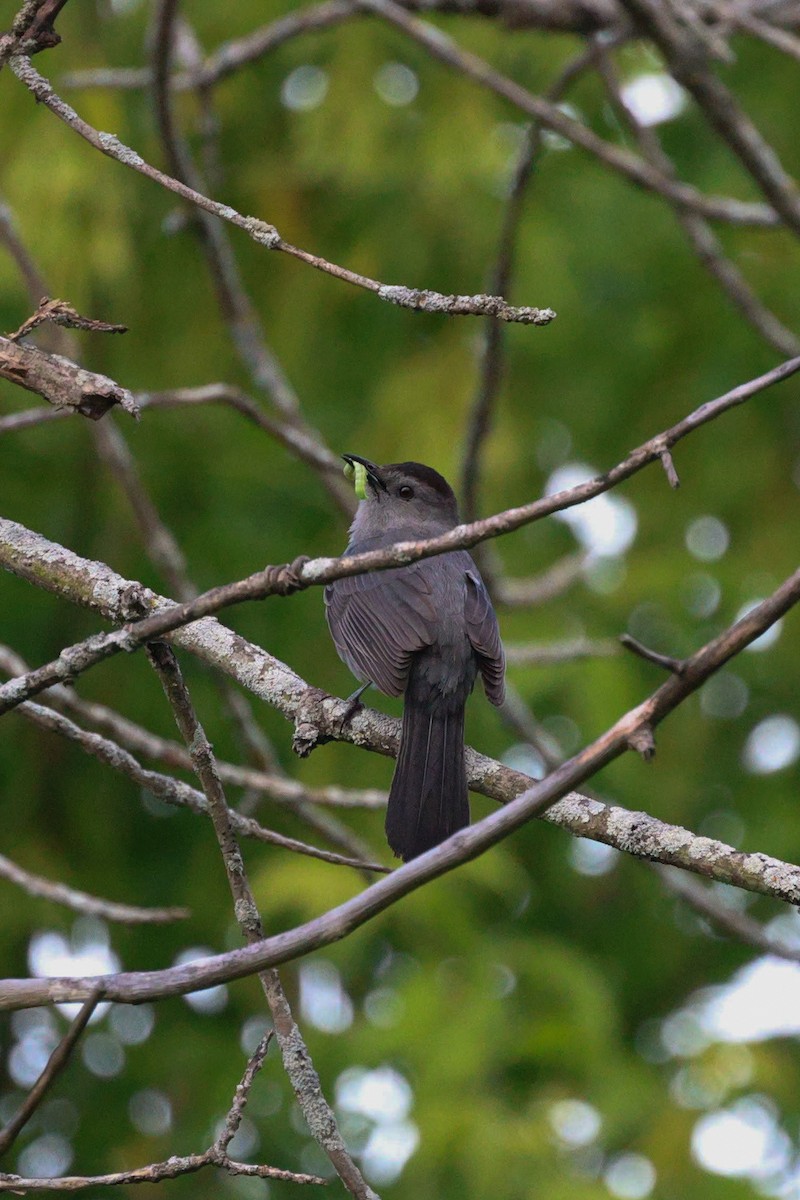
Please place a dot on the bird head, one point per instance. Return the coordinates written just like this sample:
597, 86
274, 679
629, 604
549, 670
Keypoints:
407, 494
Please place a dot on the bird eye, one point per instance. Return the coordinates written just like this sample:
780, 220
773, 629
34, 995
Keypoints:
405, 492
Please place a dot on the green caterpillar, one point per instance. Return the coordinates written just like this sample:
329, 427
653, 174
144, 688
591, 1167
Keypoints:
358, 473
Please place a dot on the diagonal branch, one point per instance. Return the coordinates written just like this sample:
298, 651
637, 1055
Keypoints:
699, 234
53, 1068
175, 791
81, 902
688, 61
631, 166
296, 1058
267, 235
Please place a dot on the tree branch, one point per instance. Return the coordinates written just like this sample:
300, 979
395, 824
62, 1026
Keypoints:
632, 167
82, 902
756, 872
296, 1058
267, 235
318, 718
215, 1156
53, 1068
283, 580
61, 382
174, 791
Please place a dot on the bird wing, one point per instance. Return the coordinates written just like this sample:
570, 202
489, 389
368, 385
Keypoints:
377, 621
484, 636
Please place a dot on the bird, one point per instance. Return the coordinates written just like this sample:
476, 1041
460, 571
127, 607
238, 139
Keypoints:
423, 631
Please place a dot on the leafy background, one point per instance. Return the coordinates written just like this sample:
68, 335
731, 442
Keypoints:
533, 1016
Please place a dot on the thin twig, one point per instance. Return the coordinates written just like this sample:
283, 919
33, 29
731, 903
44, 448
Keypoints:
701, 237
779, 39
174, 791
543, 654
688, 62
59, 312
724, 916
553, 582
53, 1068
215, 1156
298, 440
675, 665
493, 340
33, 416
82, 902
279, 788
242, 1094
230, 56
237, 310
629, 165
267, 235
296, 1059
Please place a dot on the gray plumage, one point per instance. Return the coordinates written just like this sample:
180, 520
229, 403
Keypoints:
425, 631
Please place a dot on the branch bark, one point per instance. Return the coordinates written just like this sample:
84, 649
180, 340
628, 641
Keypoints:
634, 730
61, 382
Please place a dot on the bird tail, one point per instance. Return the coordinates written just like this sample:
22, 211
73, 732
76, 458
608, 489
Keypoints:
428, 798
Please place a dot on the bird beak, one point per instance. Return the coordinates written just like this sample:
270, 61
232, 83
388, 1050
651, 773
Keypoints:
371, 469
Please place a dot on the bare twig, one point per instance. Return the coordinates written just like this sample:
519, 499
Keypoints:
296, 1059
493, 342
34, 281
242, 1094
153, 1173
238, 312
53, 1068
59, 312
632, 167
137, 739
540, 589
675, 665
724, 916
779, 39
230, 56
32, 416
215, 1156
298, 440
175, 791
699, 234
82, 902
267, 235
542, 654
688, 62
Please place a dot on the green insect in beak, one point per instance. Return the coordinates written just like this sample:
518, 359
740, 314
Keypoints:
358, 473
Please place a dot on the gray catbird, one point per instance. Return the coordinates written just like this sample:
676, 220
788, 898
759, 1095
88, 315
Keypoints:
424, 630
